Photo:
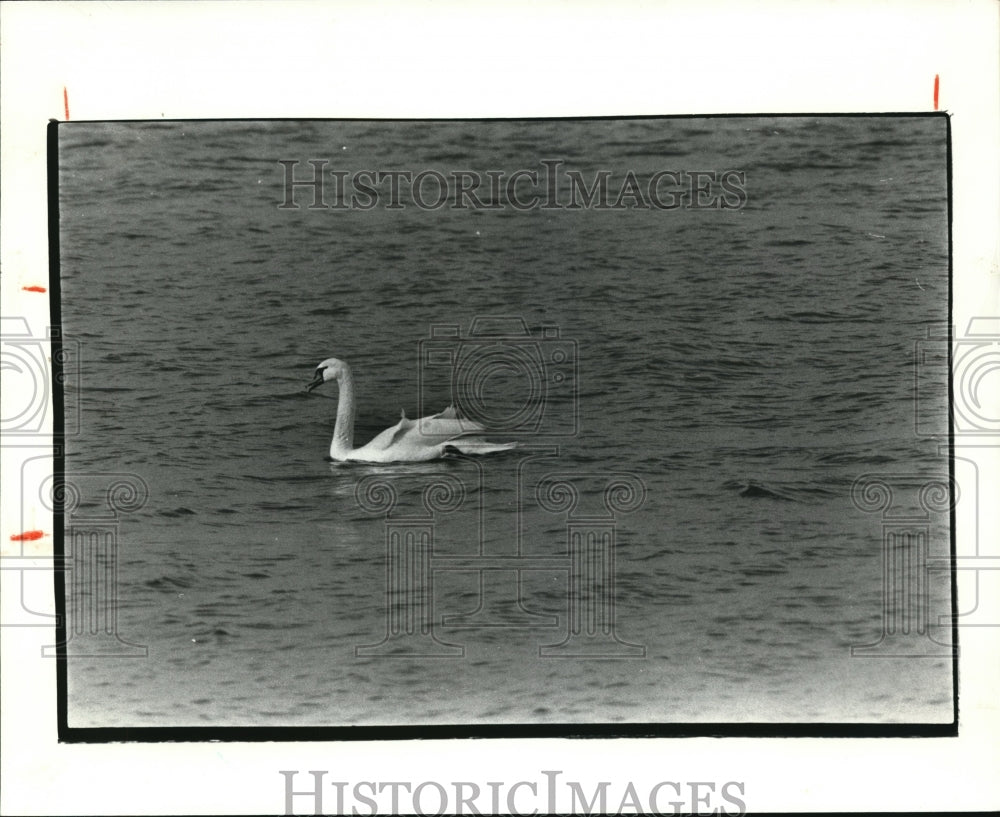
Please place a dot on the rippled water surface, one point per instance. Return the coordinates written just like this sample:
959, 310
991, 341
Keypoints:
743, 366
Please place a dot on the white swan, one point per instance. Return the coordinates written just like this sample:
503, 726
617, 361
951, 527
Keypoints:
408, 440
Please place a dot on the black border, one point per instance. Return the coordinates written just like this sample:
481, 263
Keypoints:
951, 427
262, 734
58, 429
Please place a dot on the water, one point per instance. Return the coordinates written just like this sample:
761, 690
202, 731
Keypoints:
745, 366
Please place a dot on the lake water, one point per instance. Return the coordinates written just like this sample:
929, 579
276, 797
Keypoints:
738, 368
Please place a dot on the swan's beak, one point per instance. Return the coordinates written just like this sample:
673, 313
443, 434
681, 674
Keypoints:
316, 381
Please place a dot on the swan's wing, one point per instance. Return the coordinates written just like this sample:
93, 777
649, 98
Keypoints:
440, 428
391, 435
446, 424
451, 413
426, 432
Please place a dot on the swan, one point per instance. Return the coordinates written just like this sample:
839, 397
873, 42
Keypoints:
409, 440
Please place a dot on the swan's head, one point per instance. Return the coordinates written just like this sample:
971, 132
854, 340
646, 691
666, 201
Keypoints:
329, 369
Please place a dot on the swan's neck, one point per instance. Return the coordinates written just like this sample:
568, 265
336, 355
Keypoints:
343, 432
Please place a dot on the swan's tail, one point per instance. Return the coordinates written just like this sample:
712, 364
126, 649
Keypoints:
476, 446
470, 441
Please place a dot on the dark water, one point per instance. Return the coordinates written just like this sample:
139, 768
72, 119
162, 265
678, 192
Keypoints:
744, 365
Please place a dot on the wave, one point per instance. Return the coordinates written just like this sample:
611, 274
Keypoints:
795, 492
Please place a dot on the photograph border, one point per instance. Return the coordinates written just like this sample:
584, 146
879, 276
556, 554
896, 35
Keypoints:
368, 59
253, 734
